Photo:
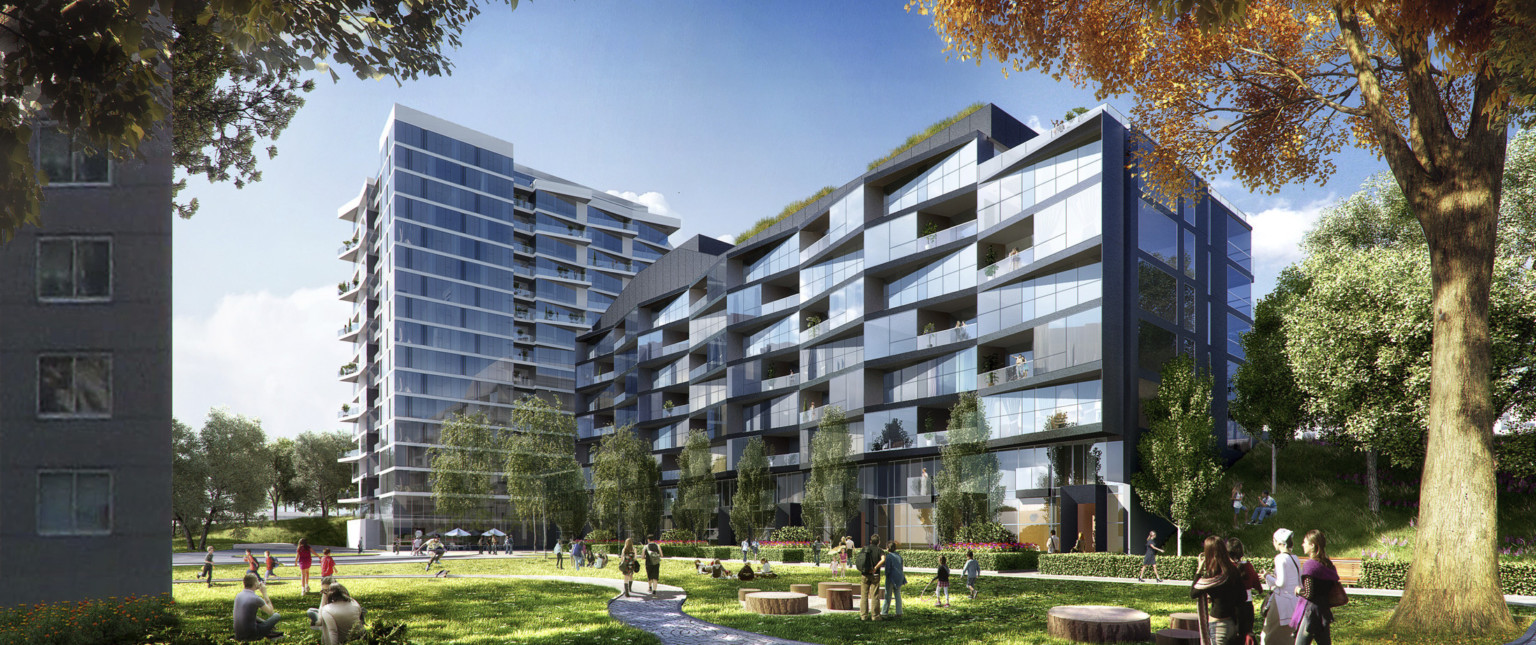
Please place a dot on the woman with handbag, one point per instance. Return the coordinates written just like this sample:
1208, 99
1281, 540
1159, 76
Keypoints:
628, 564
1282, 583
1319, 593
1218, 586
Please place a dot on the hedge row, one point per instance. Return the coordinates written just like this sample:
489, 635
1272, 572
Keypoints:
1011, 561
1115, 565
1517, 578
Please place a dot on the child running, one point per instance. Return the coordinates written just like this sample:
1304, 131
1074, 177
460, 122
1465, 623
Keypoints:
972, 571
251, 566
208, 567
941, 595
272, 563
327, 564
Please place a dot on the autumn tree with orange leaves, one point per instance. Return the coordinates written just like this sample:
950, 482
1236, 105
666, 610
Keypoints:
1268, 92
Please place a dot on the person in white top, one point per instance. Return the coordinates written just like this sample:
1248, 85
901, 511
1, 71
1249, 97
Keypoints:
1282, 583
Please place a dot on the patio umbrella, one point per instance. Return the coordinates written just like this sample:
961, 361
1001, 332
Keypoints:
496, 532
457, 533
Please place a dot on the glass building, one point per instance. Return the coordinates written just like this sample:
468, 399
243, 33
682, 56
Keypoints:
1027, 267
470, 278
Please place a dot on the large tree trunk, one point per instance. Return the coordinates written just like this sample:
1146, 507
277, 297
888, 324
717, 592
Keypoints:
1372, 483
186, 529
1453, 585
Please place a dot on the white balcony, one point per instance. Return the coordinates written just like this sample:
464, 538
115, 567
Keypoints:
782, 381
348, 332
1014, 372
675, 410
812, 415
1008, 265
352, 455
792, 459
350, 413
828, 325
670, 475
947, 336
350, 291
779, 305
349, 372
940, 238
349, 250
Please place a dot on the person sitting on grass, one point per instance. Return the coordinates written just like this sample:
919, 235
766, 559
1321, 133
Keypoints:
1267, 507
247, 603
716, 570
766, 572
699, 568
745, 575
337, 616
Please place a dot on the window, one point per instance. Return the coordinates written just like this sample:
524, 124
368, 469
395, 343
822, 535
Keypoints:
63, 162
1188, 258
74, 502
1154, 346
74, 385
1157, 290
74, 269
1189, 308
1158, 234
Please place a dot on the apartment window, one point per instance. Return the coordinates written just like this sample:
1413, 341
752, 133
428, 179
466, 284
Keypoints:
60, 158
74, 385
74, 502
74, 269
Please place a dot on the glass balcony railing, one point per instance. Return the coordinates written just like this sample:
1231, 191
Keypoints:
1020, 370
812, 415
595, 432
947, 336
674, 410
816, 247
673, 348
523, 203
1014, 261
934, 240
670, 475
828, 325
347, 330
782, 381
779, 305
793, 459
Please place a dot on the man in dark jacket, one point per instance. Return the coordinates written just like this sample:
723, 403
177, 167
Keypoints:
869, 562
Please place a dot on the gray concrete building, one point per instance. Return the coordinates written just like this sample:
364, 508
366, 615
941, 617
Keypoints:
85, 381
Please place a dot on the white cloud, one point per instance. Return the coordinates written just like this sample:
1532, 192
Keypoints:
728, 238
1278, 231
1034, 123
264, 356
653, 201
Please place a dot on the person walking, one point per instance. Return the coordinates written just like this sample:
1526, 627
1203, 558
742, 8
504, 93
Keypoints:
653, 556
305, 559
746, 549
1219, 589
1081, 545
868, 563
972, 571
416, 545
577, 556
941, 578
559, 554
1313, 618
756, 548
816, 551
1251, 583
271, 563
1149, 559
327, 564
628, 564
207, 567
1053, 543
895, 577
848, 551
1282, 583
251, 566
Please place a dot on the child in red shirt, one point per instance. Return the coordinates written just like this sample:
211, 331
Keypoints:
327, 564
250, 563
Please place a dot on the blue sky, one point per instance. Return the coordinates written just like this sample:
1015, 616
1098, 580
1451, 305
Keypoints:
725, 111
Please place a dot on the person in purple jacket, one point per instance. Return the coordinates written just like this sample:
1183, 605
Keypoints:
1313, 622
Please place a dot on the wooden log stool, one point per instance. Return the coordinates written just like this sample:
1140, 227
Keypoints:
1177, 637
799, 588
822, 587
1099, 624
778, 603
1186, 620
741, 594
840, 598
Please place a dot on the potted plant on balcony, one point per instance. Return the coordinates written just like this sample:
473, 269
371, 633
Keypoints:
811, 322
769, 375
564, 272
931, 231
991, 260
346, 408
667, 406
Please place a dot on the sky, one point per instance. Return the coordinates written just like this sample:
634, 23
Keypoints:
718, 113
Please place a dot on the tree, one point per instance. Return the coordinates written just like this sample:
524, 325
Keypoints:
1178, 450
697, 498
752, 508
540, 452
1268, 91
832, 495
285, 489
464, 464
217, 480
1267, 395
624, 484
318, 471
227, 71
969, 482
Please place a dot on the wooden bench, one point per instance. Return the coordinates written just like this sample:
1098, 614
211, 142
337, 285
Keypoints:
799, 588
840, 598
1177, 637
779, 603
1098, 624
823, 587
741, 594
1184, 620
1349, 569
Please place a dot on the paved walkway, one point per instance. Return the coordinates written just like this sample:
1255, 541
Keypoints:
661, 614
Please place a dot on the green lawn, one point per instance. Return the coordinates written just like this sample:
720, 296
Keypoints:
330, 531
465, 611
1010, 610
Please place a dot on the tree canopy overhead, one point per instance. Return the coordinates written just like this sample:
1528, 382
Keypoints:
1269, 91
229, 70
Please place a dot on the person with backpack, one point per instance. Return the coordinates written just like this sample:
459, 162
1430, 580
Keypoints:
941, 594
252, 566
972, 571
1319, 592
868, 563
895, 577
816, 551
653, 556
272, 563
628, 564
1282, 583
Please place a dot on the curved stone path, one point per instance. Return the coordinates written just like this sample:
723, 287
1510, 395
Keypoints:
661, 614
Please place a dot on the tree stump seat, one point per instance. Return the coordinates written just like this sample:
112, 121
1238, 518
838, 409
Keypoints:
1099, 624
1177, 637
801, 588
822, 587
839, 598
741, 594
1185, 620
778, 603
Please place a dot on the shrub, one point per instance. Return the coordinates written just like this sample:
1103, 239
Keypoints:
601, 535
763, 224
1517, 578
984, 532
783, 554
1115, 565
793, 534
89, 622
927, 132
1018, 561
678, 535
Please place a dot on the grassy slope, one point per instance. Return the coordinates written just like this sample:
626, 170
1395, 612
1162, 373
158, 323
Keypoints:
1010, 610
331, 531
1311, 495
445, 611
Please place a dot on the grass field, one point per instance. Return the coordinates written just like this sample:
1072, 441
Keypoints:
331, 531
1010, 610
